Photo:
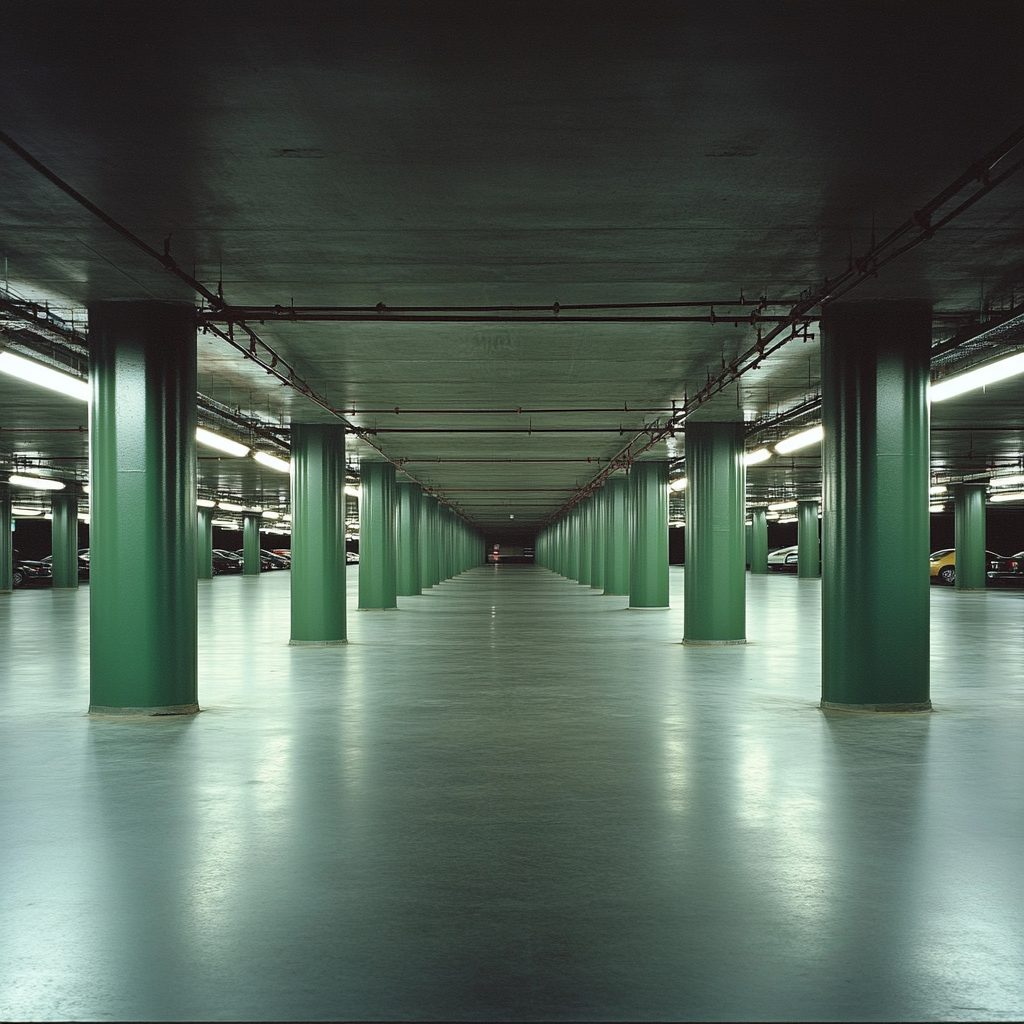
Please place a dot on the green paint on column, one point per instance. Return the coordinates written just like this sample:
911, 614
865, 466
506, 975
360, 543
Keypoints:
648, 539
409, 508
251, 544
616, 538
142, 557
6, 541
573, 545
598, 527
427, 554
759, 540
969, 533
715, 580
748, 540
204, 544
64, 538
586, 541
808, 551
377, 569
318, 569
875, 530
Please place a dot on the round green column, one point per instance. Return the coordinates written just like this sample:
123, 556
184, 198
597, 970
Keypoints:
318, 535
969, 535
204, 544
875, 530
142, 538
759, 540
409, 509
586, 541
715, 579
250, 544
377, 569
597, 530
648, 535
64, 538
572, 563
427, 554
808, 553
6, 541
616, 537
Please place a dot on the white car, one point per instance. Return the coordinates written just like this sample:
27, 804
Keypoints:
782, 559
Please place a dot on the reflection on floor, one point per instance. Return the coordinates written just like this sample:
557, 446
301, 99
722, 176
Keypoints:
512, 799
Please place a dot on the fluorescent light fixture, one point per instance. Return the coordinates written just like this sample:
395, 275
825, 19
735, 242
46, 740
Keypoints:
754, 457
86, 488
272, 462
205, 503
936, 508
44, 376
678, 485
230, 506
17, 510
271, 514
287, 519
787, 519
937, 489
802, 440
84, 516
225, 522
223, 444
771, 515
950, 387
781, 506
38, 482
354, 491
1007, 496
1007, 481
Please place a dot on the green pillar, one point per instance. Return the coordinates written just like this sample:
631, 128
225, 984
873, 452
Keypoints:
715, 580
250, 544
377, 570
6, 541
597, 530
64, 538
204, 544
759, 540
318, 535
874, 625
616, 538
426, 542
648, 535
572, 562
586, 541
748, 540
808, 555
409, 504
142, 540
969, 513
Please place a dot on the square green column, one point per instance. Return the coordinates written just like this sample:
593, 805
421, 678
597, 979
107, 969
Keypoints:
969, 535
597, 532
875, 530
616, 537
142, 557
251, 544
64, 538
377, 541
808, 552
586, 542
204, 544
318, 535
759, 540
648, 535
6, 541
408, 572
715, 579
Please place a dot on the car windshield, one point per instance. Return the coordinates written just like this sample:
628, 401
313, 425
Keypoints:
941, 554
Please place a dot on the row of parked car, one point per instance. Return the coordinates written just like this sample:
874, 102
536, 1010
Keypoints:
1000, 570
39, 573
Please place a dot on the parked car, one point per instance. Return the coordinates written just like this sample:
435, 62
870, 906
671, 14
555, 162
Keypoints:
225, 562
31, 573
942, 565
268, 560
783, 559
83, 565
1006, 572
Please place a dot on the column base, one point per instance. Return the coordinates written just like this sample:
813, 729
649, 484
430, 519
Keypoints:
167, 709
394, 609
647, 608
892, 709
713, 643
316, 643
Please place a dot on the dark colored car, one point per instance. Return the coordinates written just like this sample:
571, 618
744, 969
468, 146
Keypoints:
32, 574
269, 561
225, 562
83, 565
1006, 571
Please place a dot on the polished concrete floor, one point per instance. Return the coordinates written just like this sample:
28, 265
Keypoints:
512, 799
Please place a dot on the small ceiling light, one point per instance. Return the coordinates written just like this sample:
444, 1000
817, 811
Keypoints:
223, 444
271, 514
1007, 481
950, 387
678, 485
225, 522
44, 376
937, 489
38, 482
787, 519
754, 457
354, 491
781, 506
287, 519
229, 506
1007, 496
802, 440
771, 515
272, 462
936, 508
85, 487
24, 513
84, 516
205, 503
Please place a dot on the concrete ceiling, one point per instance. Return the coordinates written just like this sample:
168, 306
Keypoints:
508, 155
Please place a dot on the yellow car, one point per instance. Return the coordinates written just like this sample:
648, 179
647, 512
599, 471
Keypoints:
943, 564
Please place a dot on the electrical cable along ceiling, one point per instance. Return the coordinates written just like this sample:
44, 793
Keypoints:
512, 249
